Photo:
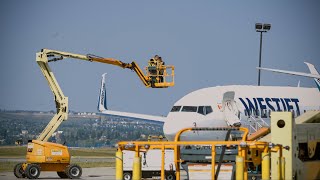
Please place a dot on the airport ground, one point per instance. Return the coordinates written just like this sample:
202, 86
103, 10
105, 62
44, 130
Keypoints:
87, 173
96, 163
107, 173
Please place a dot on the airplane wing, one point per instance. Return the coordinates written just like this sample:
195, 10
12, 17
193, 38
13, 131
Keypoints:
102, 107
134, 115
292, 73
313, 73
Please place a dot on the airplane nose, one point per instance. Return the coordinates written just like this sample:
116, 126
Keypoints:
174, 125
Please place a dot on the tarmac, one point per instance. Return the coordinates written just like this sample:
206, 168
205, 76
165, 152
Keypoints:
87, 173
107, 173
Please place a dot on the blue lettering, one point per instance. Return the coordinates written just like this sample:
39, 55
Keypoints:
269, 105
283, 104
260, 104
255, 103
289, 107
277, 103
255, 107
250, 107
297, 105
245, 106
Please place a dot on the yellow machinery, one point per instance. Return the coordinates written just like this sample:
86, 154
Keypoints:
242, 159
46, 156
291, 152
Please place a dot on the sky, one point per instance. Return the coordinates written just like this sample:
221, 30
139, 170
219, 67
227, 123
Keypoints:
210, 43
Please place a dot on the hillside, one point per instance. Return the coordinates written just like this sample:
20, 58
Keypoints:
77, 131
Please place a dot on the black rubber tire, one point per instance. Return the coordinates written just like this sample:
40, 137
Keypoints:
62, 175
73, 171
170, 176
32, 171
18, 171
127, 176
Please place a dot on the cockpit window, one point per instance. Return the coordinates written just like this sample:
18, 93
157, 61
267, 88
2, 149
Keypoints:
208, 109
175, 108
189, 109
204, 110
201, 110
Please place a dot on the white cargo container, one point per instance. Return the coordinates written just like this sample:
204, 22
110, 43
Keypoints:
151, 164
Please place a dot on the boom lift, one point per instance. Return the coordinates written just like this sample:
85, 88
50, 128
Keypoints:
47, 156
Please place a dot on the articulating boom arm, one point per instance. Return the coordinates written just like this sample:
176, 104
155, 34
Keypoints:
155, 78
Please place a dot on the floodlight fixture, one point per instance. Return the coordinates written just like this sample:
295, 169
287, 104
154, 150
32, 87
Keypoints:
266, 27
258, 26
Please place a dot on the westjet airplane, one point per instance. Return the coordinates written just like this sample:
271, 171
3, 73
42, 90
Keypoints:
234, 105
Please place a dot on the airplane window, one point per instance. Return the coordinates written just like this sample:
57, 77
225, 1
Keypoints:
201, 110
209, 109
175, 109
189, 109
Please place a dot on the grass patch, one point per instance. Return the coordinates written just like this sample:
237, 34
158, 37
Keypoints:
19, 151
94, 164
102, 152
7, 166
13, 151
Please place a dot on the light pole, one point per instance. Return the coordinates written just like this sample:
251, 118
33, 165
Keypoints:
261, 28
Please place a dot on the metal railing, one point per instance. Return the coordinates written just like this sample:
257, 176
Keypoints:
241, 160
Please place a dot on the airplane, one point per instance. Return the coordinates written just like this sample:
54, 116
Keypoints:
222, 106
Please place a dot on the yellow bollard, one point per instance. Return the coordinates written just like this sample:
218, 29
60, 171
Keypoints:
213, 163
136, 171
119, 165
239, 168
283, 166
265, 166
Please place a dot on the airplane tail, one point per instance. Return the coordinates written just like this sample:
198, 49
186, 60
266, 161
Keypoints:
102, 103
313, 70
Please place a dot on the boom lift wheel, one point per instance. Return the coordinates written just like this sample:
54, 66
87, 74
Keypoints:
62, 175
32, 171
73, 171
18, 171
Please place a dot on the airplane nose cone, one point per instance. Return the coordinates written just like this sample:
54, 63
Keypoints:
174, 124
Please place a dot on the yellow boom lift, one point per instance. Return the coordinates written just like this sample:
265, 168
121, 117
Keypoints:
47, 156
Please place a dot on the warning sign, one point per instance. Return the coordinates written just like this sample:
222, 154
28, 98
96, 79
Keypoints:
56, 152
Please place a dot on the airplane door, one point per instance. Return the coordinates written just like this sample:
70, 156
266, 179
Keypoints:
230, 109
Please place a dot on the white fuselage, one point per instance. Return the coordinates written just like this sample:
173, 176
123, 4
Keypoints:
255, 100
